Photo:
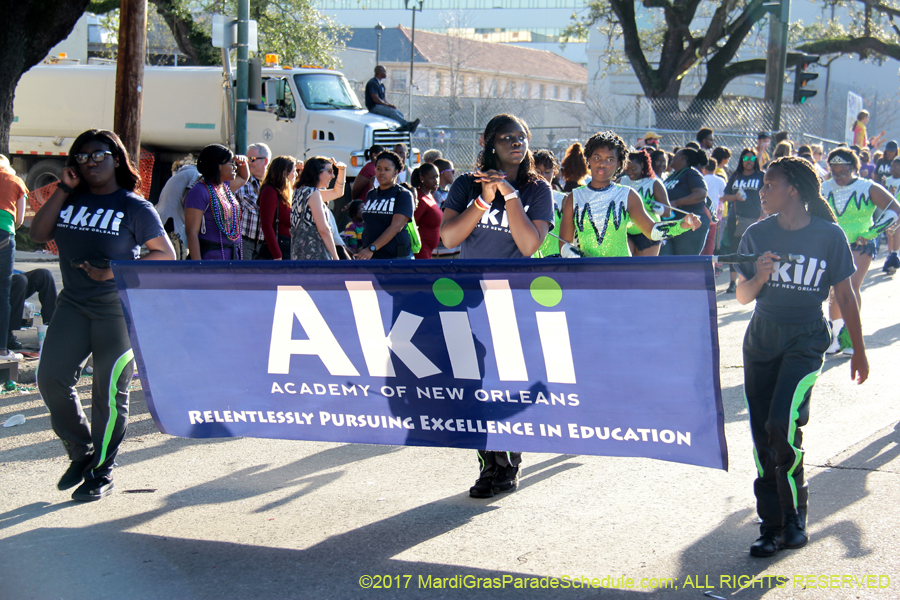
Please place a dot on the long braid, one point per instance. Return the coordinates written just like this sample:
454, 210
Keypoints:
801, 174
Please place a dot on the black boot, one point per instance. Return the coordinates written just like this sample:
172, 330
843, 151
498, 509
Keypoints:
506, 479
769, 542
794, 535
483, 486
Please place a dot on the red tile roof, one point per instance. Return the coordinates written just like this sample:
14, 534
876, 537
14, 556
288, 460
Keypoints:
505, 59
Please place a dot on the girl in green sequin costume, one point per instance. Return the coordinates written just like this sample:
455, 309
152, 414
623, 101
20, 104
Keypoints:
642, 179
853, 200
596, 216
548, 168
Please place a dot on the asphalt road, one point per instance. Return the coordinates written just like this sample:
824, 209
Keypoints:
238, 518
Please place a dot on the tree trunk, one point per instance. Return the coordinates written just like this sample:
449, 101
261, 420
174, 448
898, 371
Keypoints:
28, 31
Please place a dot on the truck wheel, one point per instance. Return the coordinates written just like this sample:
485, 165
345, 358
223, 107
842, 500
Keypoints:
44, 172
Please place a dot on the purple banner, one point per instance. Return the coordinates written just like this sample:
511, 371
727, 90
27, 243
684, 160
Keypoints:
614, 357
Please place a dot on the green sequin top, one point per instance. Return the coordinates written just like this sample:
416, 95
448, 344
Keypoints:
550, 247
852, 206
601, 220
644, 189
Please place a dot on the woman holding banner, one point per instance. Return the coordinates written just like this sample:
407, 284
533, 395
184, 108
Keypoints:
785, 343
596, 216
502, 210
94, 216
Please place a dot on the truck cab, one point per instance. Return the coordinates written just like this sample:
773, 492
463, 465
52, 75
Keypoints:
316, 113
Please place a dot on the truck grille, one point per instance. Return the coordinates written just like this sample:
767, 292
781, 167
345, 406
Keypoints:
388, 138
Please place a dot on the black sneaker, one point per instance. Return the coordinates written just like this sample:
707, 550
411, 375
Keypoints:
505, 480
12, 343
74, 474
794, 535
483, 486
891, 263
414, 125
767, 545
732, 288
93, 489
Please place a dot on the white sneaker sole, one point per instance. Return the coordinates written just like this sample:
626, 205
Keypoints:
834, 348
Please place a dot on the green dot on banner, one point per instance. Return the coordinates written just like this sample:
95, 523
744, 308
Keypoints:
546, 292
447, 292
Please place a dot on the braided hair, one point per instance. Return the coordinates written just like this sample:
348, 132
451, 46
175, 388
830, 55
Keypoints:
611, 141
642, 157
803, 177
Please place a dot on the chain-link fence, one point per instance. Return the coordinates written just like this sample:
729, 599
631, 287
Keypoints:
453, 124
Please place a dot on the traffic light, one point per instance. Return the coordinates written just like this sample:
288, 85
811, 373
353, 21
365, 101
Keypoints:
801, 93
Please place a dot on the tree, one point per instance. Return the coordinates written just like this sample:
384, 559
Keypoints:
293, 29
675, 45
28, 32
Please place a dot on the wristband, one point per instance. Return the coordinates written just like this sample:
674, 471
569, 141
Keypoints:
64, 187
511, 195
480, 204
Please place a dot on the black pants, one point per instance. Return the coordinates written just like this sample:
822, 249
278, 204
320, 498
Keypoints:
490, 460
689, 243
80, 328
781, 364
23, 285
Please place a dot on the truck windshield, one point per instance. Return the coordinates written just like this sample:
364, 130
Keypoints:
325, 91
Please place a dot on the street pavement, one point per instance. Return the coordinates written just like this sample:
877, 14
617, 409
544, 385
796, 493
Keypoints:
239, 517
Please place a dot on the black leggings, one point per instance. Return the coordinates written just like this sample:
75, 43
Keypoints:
78, 329
781, 365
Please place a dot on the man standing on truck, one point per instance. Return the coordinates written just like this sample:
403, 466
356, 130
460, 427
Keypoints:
376, 103
258, 157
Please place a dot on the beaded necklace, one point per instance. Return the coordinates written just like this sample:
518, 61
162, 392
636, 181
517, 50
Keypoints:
603, 189
226, 214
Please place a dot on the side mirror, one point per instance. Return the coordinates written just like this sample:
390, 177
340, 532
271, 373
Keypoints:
275, 93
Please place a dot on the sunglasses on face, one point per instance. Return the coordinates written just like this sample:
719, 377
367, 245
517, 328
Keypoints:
97, 157
253, 159
748, 157
451, 171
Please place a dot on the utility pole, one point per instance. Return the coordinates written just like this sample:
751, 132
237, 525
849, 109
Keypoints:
776, 55
416, 5
243, 69
130, 75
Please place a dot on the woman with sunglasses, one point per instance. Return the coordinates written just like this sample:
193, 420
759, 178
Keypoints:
212, 214
854, 200
311, 235
742, 191
502, 210
94, 216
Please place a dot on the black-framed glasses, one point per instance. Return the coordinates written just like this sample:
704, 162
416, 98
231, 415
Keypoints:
253, 159
97, 157
748, 157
